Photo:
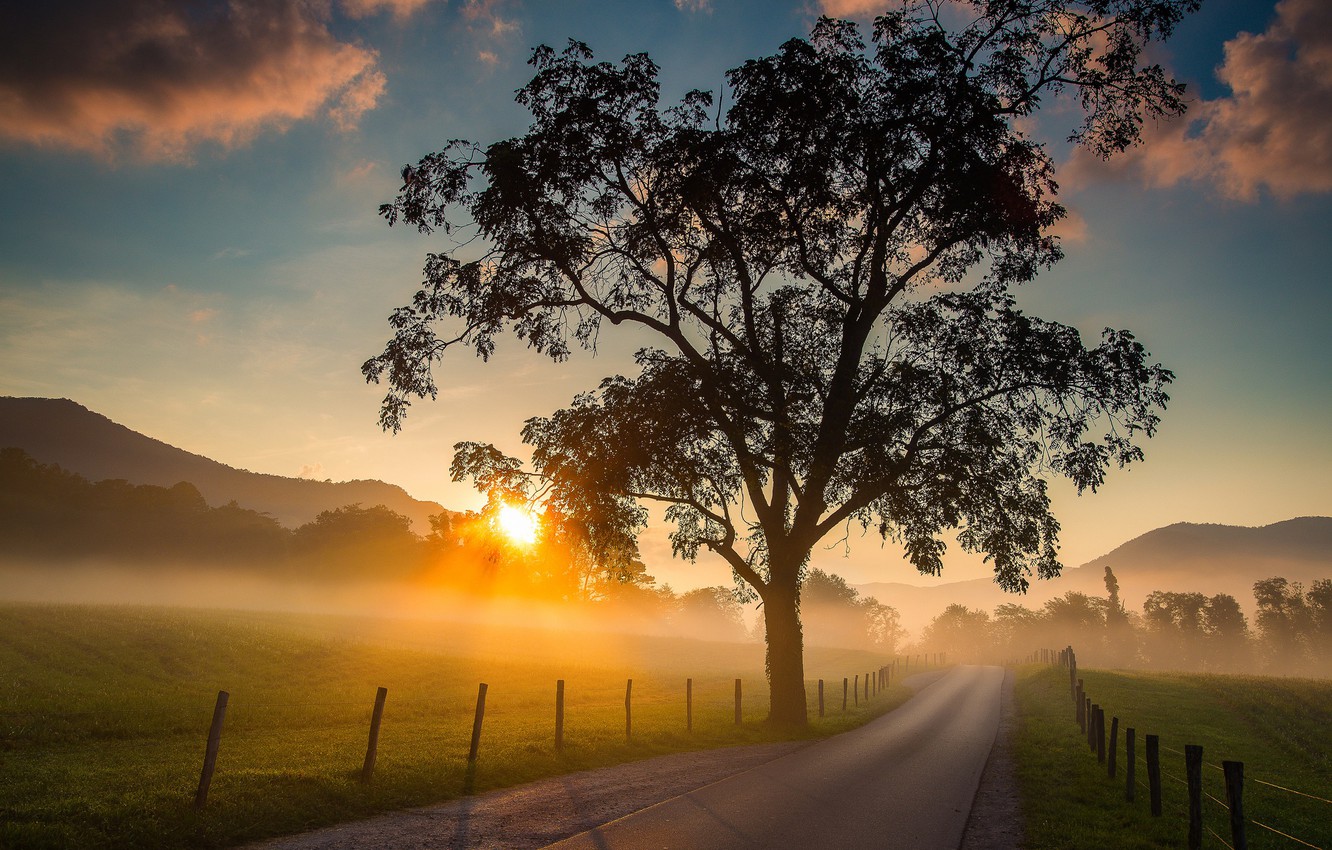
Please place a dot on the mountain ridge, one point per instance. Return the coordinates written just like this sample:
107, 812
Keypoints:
80, 440
1209, 558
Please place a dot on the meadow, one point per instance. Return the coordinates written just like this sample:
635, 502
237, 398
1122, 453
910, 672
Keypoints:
104, 712
1280, 728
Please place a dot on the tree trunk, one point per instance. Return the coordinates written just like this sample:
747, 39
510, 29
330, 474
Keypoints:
786, 658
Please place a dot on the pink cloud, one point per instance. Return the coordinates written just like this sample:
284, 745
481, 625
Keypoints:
400, 9
486, 13
850, 8
156, 79
1273, 132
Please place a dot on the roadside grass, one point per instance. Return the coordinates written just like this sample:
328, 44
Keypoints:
1281, 729
104, 711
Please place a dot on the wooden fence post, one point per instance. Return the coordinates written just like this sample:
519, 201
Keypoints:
1114, 747
1089, 720
1193, 773
1234, 771
211, 748
1100, 735
1130, 763
628, 710
371, 748
476, 723
689, 705
857, 689
737, 702
1154, 773
1077, 708
867, 687
844, 695
820, 697
559, 715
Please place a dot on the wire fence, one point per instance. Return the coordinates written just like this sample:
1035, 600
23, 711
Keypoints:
265, 735
1228, 808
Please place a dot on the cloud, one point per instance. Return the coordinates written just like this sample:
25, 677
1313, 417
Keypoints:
400, 9
694, 6
1273, 132
487, 14
156, 79
312, 470
357, 173
847, 8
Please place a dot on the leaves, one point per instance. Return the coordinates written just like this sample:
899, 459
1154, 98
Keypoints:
826, 275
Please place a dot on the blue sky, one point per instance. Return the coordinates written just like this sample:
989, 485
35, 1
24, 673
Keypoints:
189, 241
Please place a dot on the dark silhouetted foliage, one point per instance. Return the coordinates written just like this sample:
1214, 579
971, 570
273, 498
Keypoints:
823, 274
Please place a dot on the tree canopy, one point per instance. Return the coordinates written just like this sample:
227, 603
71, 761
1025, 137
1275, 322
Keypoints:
821, 261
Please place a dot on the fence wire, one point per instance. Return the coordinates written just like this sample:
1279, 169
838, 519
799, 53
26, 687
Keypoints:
1140, 759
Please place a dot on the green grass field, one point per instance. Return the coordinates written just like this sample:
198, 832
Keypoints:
1281, 729
104, 713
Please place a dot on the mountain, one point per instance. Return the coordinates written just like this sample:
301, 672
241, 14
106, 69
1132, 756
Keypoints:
1183, 557
62, 432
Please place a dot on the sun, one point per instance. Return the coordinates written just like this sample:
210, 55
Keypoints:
517, 524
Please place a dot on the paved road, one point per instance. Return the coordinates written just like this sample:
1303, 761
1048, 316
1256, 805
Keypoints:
906, 780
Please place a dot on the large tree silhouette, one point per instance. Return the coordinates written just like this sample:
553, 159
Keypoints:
820, 264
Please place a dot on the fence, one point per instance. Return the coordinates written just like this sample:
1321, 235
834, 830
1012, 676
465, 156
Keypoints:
1090, 719
872, 683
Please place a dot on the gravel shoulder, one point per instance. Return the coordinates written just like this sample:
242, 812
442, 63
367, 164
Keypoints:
995, 822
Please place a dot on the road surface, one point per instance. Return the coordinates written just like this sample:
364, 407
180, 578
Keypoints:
905, 780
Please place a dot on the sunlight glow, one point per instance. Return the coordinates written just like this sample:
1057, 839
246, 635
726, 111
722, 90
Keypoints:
517, 524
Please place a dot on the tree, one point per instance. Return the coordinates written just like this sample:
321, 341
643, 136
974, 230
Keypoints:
711, 613
1227, 633
1284, 620
961, 632
353, 540
1078, 620
1120, 643
1176, 621
835, 614
822, 277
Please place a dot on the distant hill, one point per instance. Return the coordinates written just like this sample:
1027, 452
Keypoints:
62, 432
1182, 557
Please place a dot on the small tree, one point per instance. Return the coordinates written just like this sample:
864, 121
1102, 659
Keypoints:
961, 632
1284, 620
822, 280
711, 613
835, 614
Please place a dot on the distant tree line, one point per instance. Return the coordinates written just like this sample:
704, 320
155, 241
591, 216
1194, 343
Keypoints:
1292, 630
50, 516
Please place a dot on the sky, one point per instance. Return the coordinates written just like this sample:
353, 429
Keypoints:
190, 245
